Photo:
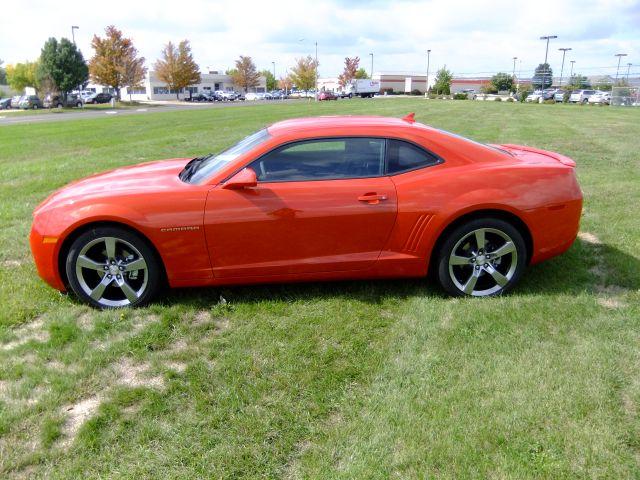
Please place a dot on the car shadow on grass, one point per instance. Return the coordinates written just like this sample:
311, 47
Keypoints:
584, 268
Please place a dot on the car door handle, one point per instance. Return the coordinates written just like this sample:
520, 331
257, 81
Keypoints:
372, 198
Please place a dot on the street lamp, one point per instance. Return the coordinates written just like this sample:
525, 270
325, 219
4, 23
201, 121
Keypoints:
426, 92
628, 68
371, 65
513, 74
546, 54
274, 72
564, 51
316, 69
73, 32
619, 55
572, 62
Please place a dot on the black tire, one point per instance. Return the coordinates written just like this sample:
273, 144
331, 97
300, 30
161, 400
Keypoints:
79, 104
145, 285
506, 267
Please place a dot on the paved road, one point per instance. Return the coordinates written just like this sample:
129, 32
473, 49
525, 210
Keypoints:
8, 118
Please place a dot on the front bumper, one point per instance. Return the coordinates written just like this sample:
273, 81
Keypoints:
45, 254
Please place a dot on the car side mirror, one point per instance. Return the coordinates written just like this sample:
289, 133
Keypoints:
245, 178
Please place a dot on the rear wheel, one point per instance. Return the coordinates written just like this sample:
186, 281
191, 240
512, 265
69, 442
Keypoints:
110, 267
483, 257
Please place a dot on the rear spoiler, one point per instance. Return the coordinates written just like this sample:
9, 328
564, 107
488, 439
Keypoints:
556, 156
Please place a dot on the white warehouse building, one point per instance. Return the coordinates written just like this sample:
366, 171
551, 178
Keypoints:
153, 88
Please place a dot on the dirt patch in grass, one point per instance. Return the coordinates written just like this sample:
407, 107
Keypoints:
32, 331
77, 414
589, 238
138, 324
12, 263
201, 318
134, 375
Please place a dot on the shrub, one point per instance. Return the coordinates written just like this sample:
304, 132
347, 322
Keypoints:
510, 99
433, 96
524, 94
415, 91
549, 101
388, 91
460, 96
497, 99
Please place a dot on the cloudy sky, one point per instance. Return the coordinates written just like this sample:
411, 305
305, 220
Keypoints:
471, 37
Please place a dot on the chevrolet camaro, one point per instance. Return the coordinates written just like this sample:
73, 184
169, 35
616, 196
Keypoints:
329, 198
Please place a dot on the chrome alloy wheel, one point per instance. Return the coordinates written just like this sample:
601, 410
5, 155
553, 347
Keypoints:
483, 262
111, 271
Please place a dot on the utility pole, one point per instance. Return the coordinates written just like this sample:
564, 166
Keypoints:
426, 92
564, 51
371, 65
546, 54
73, 37
619, 55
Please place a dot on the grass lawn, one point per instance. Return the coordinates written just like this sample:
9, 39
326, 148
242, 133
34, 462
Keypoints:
333, 380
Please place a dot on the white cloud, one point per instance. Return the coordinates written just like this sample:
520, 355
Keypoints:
470, 37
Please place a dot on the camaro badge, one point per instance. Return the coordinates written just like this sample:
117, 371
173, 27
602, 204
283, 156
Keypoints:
179, 229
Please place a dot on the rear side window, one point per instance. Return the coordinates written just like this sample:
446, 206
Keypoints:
322, 159
404, 156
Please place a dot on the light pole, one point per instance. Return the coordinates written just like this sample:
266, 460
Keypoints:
513, 74
274, 72
73, 37
619, 55
426, 92
628, 68
571, 75
564, 52
546, 54
371, 65
316, 71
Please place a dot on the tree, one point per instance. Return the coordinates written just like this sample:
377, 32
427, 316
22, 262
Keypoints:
176, 67
578, 82
133, 73
303, 74
350, 70
285, 83
22, 75
62, 66
502, 82
272, 83
542, 73
246, 74
361, 73
113, 55
3, 74
442, 84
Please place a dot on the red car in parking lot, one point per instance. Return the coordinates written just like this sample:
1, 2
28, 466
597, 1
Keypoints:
327, 95
312, 199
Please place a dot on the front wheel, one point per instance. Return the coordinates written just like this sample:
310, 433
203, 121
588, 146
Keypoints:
483, 257
110, 267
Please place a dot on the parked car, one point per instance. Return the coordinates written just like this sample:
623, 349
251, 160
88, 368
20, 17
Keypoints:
98, 98
373, 197
226, 96
5, 103
30, 101
58, 101
580, 96
199, 97
534, 96
252, 96
15, 101
600, 97
239, 96
327, 95
558, 96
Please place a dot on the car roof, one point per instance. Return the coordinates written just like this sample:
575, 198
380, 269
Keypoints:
342, 121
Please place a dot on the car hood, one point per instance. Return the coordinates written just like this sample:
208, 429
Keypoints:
136, 179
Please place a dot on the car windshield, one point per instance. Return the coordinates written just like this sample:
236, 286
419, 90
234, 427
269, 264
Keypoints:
213, 163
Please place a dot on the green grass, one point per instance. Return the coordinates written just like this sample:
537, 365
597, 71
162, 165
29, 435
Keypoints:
328, 380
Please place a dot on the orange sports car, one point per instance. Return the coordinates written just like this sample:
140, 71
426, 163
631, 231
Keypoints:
312, 199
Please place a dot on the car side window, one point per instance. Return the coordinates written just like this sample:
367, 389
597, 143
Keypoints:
404, 156
322, 159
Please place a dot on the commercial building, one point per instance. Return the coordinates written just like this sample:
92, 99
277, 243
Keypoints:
153, 88
404, 82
